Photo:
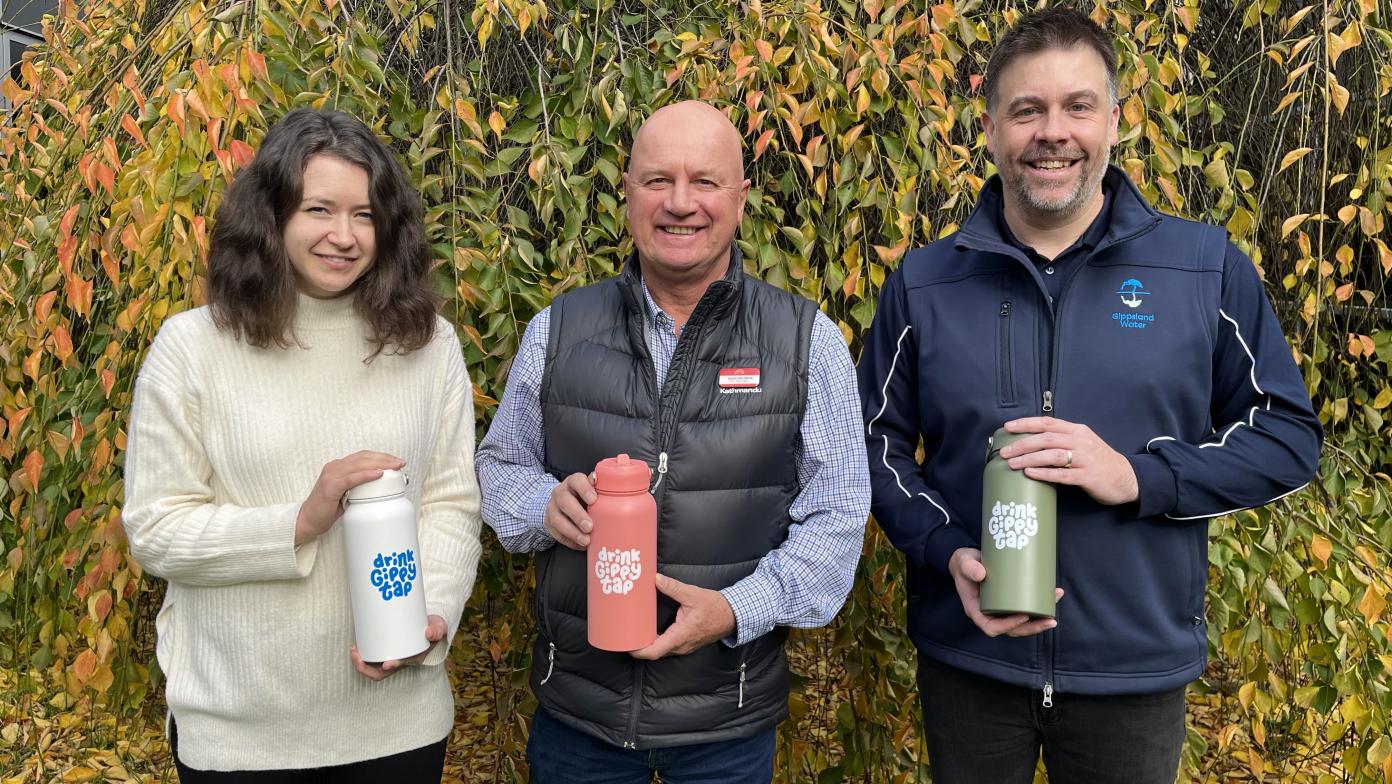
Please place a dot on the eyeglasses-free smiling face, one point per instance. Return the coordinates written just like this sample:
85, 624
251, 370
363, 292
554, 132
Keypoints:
330, 238
685, 189
1051, 131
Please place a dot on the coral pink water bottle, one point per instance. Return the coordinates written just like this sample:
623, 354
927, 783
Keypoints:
622, 557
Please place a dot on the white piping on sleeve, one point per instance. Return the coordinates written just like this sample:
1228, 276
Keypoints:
1238, 332
1252, 374
1240, 508
1157, 438
884, 403
1250, 421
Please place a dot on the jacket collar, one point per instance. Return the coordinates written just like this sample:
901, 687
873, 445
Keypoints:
1132, 216
715, 303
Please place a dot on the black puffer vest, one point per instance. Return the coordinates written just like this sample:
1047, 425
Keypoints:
722, 502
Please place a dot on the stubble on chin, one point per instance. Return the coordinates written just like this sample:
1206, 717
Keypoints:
1084, 192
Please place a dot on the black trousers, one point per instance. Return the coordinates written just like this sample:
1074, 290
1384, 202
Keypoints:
982, 731
424, 765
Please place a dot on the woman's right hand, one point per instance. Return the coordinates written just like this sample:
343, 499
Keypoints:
324, 505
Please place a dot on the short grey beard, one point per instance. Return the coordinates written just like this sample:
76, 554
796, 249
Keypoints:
1083, 193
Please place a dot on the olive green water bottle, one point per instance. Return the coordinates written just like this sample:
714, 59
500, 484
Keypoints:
1019, 537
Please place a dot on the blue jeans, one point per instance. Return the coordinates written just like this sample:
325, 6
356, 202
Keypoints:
558, 754
982, 730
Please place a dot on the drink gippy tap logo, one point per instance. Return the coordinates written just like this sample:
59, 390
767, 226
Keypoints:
616, 570
393, 574
1013, 525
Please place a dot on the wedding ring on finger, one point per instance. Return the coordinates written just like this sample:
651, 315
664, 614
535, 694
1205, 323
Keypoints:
1067, 458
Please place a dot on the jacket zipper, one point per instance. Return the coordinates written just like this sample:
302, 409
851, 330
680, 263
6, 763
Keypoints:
1007, 378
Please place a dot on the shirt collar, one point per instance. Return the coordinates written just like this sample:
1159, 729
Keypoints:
1094, 234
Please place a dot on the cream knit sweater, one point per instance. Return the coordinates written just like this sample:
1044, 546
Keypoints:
225, 443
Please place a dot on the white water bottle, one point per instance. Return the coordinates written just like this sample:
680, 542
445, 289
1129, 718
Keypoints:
384, 569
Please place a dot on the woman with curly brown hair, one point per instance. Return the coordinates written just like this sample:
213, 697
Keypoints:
318, 362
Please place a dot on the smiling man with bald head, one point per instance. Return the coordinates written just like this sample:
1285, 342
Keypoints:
742, 399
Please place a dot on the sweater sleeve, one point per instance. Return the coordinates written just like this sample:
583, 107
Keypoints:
175, 529
449, 520
913, 515
1266, 438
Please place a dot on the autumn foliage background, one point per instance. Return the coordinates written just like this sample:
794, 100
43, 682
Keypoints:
513, 117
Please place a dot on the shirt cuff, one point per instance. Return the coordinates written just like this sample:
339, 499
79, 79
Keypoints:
1157, 491
753, 601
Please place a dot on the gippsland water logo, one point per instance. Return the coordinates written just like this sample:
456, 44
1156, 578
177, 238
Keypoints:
1131, 292
393, 574
617, 569
1012, 525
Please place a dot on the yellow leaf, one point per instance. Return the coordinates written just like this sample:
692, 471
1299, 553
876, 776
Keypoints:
1347, 212
1338, 93
1246, 693
1383, 399
495, 121
1292, 223
1256, 764
1322, 548
1371, 605
1288, 99
1293, 156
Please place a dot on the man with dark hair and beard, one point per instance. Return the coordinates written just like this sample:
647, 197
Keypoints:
1142, 354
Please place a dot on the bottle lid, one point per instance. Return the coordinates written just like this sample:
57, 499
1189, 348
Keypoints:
621, 474
391, 483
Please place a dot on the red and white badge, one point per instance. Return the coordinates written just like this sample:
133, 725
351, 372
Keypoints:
739, 378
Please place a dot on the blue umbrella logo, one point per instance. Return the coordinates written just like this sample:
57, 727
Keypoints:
1131, 292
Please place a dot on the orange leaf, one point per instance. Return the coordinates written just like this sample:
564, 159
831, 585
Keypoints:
128, 123
65, 226
66, 251
84, 666
762, 142
17, 419
256, 63
100, 604
765, 49
174, 109
1343, 293
1355, 346
71, 520
79, 294
33, 467
44, 305
108, 379
62, 343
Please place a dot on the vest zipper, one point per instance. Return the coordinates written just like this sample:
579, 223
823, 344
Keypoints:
1048, 695
741, 684
550, 662
661, 472
631, 742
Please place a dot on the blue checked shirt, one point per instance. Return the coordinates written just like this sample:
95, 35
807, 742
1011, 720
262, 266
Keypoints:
804, 581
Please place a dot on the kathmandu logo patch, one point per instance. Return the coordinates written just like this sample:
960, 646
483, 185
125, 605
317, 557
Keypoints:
739, 381
1131, 292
